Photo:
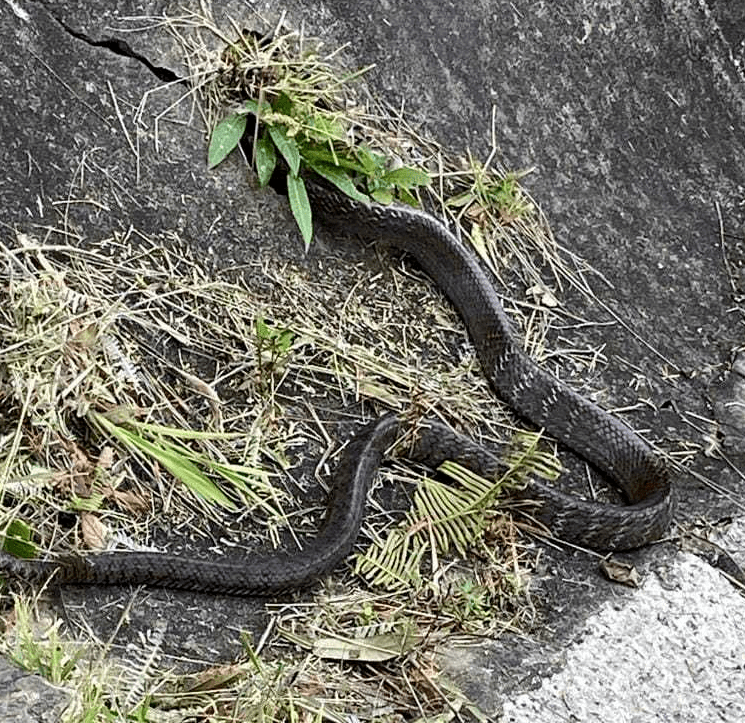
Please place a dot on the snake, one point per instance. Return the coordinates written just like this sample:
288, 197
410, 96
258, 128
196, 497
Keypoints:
627, 460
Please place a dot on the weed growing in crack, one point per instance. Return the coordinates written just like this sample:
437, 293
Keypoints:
299, 117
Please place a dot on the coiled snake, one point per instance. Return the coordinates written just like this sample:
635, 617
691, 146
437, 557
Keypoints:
608, 444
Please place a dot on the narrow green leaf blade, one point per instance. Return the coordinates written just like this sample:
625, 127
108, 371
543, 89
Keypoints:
287, 146
384, 196
300, 206
266, 159
314, 154
173, 459
150, 429
182, 469
225, 137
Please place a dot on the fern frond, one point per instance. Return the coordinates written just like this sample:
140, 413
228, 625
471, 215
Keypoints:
446, 516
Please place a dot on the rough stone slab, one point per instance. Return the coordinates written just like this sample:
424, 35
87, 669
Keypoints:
674, 652
28, 698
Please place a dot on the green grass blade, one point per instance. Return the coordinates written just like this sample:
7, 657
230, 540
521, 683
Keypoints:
173, 459
287, 146
159, 430
300, 206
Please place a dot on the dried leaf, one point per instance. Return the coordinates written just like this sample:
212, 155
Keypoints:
95, 532
621, 572
542, 295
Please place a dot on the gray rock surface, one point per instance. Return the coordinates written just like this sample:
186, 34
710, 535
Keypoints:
631, 115
672, 653
28, 698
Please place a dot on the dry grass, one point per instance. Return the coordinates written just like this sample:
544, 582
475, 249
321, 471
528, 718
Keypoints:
169, 345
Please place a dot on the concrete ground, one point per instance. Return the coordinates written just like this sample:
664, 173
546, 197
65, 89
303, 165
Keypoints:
631, 116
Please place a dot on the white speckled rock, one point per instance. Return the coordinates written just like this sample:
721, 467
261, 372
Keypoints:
674, 652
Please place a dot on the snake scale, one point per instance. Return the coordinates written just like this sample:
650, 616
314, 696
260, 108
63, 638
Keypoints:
613, 448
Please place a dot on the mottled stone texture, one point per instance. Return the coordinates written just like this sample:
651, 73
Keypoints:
27, 698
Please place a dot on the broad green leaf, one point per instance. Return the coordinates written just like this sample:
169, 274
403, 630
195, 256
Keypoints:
373, 163
225, 137
281, 338
462, 199
382, 195
19, 529
262, 328
285, 340
287, 146
17, 540
266, 159
407, 198
300, 206
253, 107
340, 179
407, 177
324, 129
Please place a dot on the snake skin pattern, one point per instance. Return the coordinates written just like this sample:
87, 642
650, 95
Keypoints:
627, 460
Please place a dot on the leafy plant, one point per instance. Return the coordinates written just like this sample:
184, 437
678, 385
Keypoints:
47, 655
17, 540
272, 347
489, 192
468, 601
308, 138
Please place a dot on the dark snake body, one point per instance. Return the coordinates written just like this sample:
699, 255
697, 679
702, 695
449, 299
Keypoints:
613, 448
